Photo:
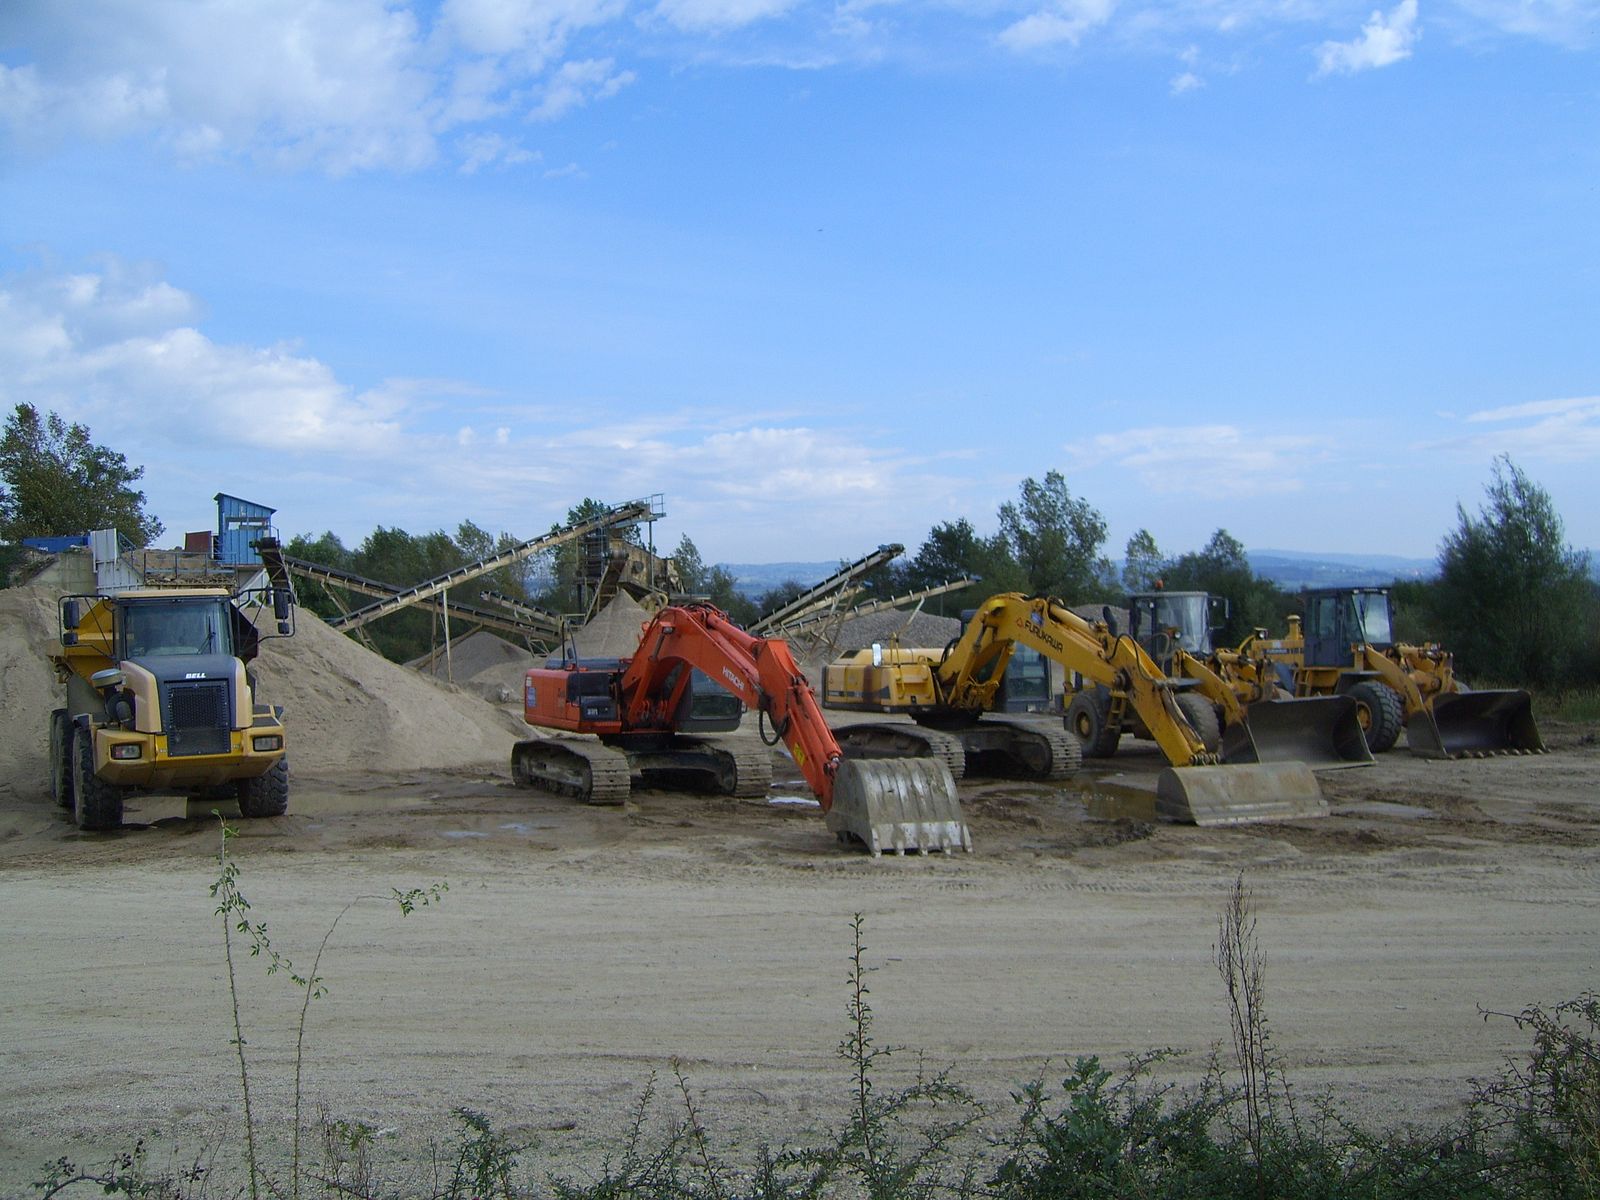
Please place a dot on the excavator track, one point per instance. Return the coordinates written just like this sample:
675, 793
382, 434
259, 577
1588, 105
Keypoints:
1039, 749
585, 771
890, 739
743, 764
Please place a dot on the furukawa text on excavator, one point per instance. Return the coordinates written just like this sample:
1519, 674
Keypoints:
644, 712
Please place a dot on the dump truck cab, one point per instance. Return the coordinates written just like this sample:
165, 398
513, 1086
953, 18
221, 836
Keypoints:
158, 698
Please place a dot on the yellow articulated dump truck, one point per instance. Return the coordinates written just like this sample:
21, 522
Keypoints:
157, 697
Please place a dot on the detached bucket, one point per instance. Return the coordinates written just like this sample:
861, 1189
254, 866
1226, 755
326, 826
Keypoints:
1237, 795
1475, 725
1321, 731
898, 804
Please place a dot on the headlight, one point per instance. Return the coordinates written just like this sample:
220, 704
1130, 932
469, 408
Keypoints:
270, 742
125, 750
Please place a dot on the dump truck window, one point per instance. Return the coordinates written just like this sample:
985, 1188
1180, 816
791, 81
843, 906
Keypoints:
166, 628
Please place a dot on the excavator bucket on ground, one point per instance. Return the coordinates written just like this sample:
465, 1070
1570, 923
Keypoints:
1475, 725
898, 804
1323, 732
1237, 795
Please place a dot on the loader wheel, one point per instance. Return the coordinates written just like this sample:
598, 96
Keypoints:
1380, 713
1086, 720
98, 803
266, 795
1202, 717
61, 759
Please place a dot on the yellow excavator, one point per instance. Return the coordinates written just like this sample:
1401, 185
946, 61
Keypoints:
1233, 690
950, 696
1345, 645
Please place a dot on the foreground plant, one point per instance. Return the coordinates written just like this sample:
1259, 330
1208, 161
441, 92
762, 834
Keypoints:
234, 910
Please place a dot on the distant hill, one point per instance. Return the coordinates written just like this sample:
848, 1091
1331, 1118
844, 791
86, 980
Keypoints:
752, 580
1289, 569
1296, 569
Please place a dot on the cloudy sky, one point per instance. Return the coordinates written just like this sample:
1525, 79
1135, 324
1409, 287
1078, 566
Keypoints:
821, 274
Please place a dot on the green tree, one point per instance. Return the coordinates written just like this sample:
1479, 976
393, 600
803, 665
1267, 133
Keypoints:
1514, 602
691, 568
1142, 563
1055, 538
57, 480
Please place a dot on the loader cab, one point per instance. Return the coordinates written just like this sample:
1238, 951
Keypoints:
1340, 618
1195, 616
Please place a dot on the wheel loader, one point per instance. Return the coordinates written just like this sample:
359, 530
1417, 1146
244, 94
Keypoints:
157, 697
950, 696
648, 717
1224, 691
1345, 646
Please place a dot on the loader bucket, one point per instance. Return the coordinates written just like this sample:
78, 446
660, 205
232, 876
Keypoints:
1321, 731
1237, 795
898, 804
1475, 725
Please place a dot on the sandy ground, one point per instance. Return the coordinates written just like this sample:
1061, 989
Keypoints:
579, 950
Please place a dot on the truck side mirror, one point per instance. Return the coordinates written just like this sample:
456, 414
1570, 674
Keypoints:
280, 605
70, 615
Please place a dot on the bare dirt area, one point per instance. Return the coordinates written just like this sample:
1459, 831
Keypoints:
579, 950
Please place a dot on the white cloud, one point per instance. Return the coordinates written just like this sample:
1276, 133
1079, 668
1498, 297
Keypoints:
1064, 22
1212, 461
1563, 431
354, 86
120, 350
1188, 81
479, 150
1570, 23
1384, 41
576, 84
712, 15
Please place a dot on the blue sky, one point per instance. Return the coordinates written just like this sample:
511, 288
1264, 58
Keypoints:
821, 274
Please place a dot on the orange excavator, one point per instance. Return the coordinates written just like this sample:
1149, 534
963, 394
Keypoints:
643, 710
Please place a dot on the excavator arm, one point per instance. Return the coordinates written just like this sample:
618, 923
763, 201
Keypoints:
971, 669
904, 805
761, 672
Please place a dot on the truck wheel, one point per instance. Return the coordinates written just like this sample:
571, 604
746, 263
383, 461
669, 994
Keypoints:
1086, 720
61, 759
99, 804
1202, 717
1380, 712
266, 795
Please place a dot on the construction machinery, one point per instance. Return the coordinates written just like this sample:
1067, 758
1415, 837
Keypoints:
644, 711
158, 698
1345, 646
950, 694
1176, 629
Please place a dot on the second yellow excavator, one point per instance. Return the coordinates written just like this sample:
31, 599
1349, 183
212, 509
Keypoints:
948, 694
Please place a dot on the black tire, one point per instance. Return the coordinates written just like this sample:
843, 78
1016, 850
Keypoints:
98, 804
266, 795
1203, 719
1086, 721
61, 759
1381, 713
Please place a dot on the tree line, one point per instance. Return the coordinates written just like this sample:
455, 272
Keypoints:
1512, 600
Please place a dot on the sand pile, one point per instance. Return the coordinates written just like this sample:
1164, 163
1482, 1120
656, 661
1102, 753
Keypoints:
27, 689
614, 632
347, 707
485, 665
